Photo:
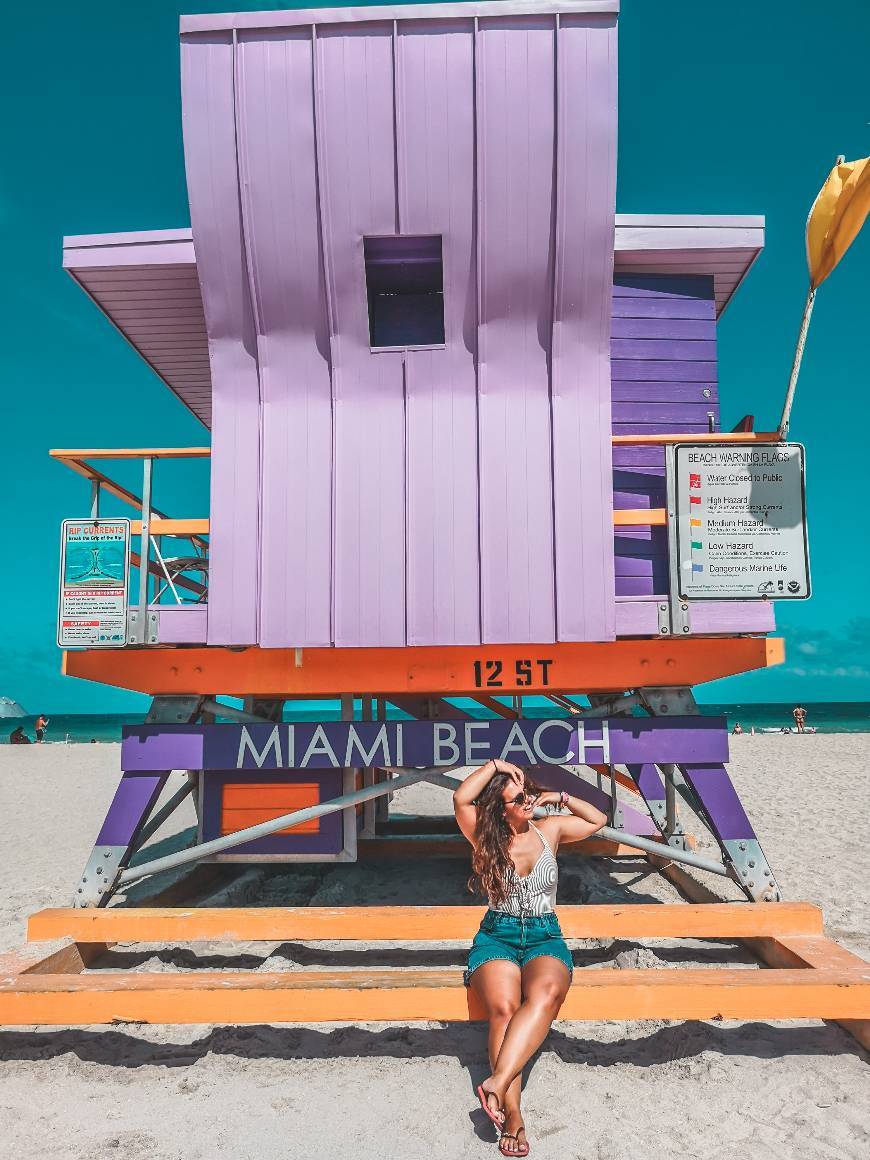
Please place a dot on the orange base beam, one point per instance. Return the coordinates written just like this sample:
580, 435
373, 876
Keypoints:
588, 667
352, 996
813, 978
413, 923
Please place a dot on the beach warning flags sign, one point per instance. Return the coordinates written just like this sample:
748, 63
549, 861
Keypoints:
836, 217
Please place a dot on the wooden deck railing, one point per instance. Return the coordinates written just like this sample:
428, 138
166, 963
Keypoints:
162, 525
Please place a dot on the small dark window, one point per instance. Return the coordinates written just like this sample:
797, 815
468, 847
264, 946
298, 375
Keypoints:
405, 286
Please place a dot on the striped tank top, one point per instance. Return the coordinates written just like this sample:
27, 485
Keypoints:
535, 893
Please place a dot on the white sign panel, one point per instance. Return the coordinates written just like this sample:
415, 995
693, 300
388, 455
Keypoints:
94, 576
741, 522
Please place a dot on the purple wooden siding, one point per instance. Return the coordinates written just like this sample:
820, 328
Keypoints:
407, 496
663, 360
354, 85
279, 205
515, 108
586, 169
213, 189
435, 154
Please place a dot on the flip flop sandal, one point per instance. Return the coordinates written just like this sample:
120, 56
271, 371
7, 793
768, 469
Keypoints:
482, 1095
522, 1149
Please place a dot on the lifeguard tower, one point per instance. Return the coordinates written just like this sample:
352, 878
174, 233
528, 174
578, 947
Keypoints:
446, 385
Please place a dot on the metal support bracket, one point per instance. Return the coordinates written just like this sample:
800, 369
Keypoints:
143, 629
751, 871
168, 710
663, 609
673, 827
99, 875
669, 702
678, 606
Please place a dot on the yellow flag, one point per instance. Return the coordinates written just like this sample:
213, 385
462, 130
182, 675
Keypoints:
836, 217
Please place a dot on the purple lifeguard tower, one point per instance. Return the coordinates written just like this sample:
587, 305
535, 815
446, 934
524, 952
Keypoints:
451, 397
442, 377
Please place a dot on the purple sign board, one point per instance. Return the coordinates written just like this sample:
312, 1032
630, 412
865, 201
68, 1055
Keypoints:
410, 744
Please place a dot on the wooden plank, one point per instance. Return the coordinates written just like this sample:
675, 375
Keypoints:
779, 951
163, 527
240, 997
702, 437
640, 517
593, 666
426, 923
70, 959
814, 952
131, 453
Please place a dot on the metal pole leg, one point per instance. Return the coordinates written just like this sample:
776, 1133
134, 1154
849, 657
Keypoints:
131, 806
731, 827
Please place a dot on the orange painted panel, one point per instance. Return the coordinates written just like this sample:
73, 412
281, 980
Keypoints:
254, 802
567, 667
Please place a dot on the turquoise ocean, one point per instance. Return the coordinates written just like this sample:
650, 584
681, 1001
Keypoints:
825, 716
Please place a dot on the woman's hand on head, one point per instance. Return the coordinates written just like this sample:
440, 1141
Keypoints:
513, 771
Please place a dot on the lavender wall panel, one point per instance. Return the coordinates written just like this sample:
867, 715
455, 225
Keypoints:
213, 190
356, 144
356, 481
585, 196
279, 201
640, 617
435, 151
515, 134
657, 351
182, 623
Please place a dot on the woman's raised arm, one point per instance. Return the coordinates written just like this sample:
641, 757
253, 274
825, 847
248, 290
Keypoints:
472, 787
586, 820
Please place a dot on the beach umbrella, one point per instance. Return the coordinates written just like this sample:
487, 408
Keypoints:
834, 222
10, 708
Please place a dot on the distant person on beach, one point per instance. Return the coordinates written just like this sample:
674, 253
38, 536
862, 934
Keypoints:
519, 965
18, 737
738, 728
800, 716
40, 727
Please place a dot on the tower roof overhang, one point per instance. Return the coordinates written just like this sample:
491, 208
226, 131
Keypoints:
146, 283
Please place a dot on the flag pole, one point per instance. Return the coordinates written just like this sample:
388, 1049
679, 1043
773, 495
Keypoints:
805, 323
796, 365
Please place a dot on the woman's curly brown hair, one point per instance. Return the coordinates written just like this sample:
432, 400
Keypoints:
491, 864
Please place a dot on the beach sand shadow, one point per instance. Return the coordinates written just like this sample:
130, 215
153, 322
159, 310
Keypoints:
464, 1042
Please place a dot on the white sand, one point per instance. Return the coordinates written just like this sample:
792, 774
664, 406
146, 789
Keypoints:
717, 1091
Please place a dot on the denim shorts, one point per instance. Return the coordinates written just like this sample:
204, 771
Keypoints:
519, 940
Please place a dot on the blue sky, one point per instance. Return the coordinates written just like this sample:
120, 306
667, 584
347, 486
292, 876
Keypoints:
722, 110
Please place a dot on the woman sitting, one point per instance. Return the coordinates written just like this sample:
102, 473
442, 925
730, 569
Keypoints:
519, 965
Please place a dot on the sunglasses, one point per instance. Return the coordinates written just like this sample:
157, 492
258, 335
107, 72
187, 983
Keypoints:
520, 798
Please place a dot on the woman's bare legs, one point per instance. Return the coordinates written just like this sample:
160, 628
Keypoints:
498, 985
545, 983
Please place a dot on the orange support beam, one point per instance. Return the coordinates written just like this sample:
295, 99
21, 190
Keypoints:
696, 437
405, 923
166, 527
400, 996
640, 517
587, 667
